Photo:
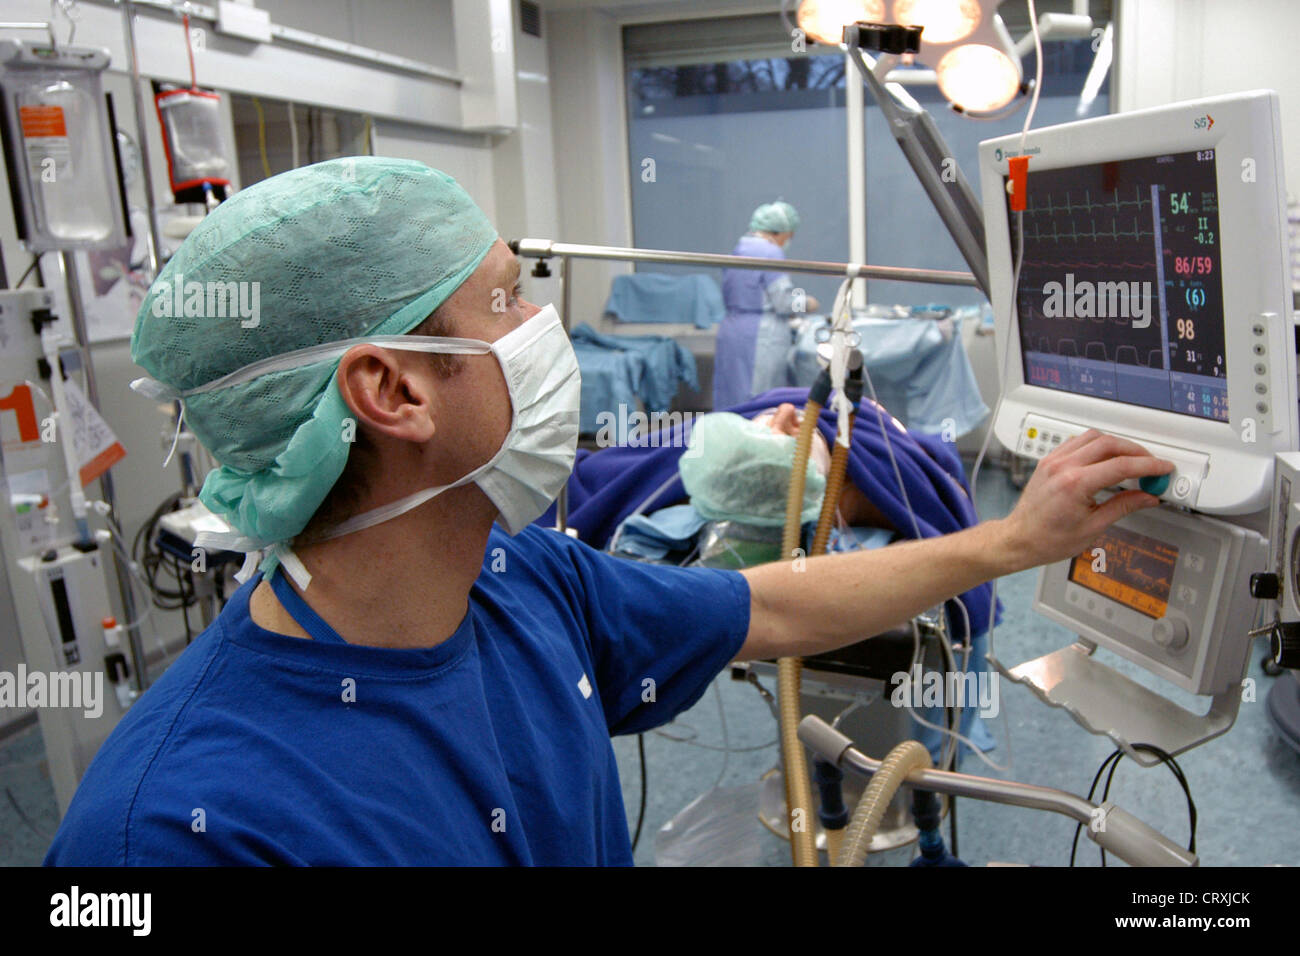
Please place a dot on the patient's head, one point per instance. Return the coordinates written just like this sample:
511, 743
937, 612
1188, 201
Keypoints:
785, 420
736, 469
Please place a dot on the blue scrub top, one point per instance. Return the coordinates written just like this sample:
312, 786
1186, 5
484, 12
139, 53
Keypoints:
492, 747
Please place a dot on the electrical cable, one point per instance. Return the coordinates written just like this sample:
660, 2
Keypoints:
293, 135
953, 716
25, 818
916, 656
185, 606
640, 817
948, 757
1168, 760
145, 551
36, 261
726, 737
261, 137
1112, 762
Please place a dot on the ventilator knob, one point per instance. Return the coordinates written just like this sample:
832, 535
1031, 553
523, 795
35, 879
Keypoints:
1286, 645
1170, 633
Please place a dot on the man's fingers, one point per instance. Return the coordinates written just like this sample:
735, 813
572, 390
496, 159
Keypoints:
1070, 445
1106, 446
1117, 506
1112, 471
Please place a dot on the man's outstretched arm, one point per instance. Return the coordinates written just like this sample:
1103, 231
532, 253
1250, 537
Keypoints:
802, 608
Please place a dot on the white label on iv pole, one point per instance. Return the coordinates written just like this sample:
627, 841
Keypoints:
96, 446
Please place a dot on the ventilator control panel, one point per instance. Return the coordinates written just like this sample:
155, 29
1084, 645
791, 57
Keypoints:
1165, 589
1039, 435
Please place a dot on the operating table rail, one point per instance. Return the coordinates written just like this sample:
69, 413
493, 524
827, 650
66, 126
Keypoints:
1113, 829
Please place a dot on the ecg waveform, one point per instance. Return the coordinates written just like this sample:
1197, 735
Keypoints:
1137, 233
1049, 264
1067, 206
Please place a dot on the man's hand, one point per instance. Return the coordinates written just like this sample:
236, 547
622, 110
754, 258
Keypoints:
1057, 516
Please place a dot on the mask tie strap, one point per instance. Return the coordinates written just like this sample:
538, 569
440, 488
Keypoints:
176, 437
292, 565
251, 560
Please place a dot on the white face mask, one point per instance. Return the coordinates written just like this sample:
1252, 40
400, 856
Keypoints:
534, 461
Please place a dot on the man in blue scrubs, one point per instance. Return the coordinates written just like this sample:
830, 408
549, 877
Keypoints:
406, 682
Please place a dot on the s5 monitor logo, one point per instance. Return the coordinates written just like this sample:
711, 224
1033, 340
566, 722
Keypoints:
1203, 122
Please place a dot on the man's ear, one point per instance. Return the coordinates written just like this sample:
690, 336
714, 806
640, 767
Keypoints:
385, 394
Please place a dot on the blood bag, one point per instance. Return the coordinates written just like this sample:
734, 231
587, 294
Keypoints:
192, 135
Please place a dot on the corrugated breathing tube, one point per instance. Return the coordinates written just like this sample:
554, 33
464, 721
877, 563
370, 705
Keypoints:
798, 789
902, 760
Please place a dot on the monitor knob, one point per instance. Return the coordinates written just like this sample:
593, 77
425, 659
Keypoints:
1170, 633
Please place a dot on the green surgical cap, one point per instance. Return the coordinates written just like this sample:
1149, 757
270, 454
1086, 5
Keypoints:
774, 217
736, 469
346, 248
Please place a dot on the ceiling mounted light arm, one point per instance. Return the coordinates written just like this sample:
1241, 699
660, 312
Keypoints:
974, 60
1097, 73
1056, 26
931, 160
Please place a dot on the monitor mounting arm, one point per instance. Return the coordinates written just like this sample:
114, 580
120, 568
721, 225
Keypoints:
932, 161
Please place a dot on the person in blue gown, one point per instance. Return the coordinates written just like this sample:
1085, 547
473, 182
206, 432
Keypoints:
755, 337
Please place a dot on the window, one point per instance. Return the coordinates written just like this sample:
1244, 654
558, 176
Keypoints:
721, 119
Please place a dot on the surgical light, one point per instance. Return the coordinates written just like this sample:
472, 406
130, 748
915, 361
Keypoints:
976, 64
977, 78
824, 20
945, 21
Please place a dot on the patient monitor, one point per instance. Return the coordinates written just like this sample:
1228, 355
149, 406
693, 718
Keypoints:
1152, 303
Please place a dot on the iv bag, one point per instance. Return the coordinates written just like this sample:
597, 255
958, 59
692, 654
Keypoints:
60, 148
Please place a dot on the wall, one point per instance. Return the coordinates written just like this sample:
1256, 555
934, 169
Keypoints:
417, 29
1171, 50
592, 165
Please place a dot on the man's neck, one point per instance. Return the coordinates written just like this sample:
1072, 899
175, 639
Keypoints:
403, 583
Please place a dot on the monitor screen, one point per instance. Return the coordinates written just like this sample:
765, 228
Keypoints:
1131, 568
1120, 295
